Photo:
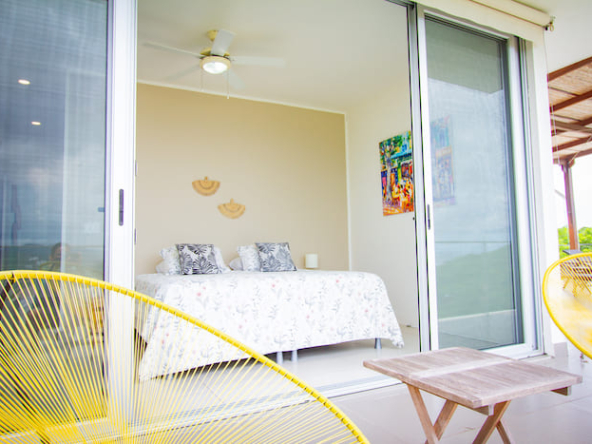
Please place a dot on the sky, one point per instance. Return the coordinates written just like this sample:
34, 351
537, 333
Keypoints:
582, 186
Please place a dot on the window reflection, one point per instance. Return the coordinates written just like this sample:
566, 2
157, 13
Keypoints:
52, 135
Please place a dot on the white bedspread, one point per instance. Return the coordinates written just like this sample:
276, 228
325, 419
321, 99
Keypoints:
268, 312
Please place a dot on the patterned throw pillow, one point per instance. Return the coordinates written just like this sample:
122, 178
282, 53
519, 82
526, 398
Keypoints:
197, 259
249, 256
275, 256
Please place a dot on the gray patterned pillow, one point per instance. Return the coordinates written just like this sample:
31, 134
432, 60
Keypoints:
197, 259
275, 256
249, 256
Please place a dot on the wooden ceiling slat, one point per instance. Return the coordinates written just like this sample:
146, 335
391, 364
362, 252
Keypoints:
572, 127
570, 91
578, 111
573, 101
577, 82
556, 96
566, 119
563, 71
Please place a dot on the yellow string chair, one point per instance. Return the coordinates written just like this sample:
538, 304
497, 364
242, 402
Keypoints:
69, 359
567, 295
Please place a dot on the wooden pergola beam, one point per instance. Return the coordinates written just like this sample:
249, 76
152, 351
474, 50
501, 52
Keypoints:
561, 72
571, 144
570, 102
560, 158
585, 152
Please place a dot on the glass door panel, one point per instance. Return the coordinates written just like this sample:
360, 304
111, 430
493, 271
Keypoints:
473, 197
53, 96
53, 70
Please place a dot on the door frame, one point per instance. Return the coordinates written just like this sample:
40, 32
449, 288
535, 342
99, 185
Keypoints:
119, 196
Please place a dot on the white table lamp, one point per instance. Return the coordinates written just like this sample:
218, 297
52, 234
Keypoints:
311, 260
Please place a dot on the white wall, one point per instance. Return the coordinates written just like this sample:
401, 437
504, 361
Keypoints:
570, 40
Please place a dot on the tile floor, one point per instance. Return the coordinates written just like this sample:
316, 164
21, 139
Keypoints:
337, 369
387, 415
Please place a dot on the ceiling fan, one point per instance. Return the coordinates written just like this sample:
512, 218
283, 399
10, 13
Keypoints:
217, 59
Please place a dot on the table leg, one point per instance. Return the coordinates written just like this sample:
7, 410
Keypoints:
492, 422
423, 414
433, 432
501, 428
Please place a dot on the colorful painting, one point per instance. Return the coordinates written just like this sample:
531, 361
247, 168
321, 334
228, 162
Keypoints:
442, 172
396, 173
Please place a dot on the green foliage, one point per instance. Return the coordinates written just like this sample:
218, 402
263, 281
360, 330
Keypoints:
584, 236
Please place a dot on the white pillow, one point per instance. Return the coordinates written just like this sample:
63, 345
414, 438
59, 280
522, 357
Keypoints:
171, 260
220, 261
249, 256
162, 268
236, 264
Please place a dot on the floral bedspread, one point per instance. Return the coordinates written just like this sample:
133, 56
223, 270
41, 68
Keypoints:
268, 312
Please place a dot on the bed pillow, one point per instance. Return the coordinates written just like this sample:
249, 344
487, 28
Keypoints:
220, 261
171, 262
162, 268
170, 258
236, 264
275, 256
197, 259
249, 256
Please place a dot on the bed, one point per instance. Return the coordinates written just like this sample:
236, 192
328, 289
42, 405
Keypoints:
269, 312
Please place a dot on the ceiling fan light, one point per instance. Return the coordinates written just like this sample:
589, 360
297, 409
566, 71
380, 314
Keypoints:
215, 64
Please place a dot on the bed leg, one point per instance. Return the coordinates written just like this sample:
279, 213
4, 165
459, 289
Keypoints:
377, 344
279, 358
294, 355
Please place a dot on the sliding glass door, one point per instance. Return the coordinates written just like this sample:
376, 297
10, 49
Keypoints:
475, 254
67, 91
53, 87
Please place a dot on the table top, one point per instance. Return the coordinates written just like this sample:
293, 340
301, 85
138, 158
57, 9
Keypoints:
473, 378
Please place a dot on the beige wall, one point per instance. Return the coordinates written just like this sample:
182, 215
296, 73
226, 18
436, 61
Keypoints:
384, 245
285, 164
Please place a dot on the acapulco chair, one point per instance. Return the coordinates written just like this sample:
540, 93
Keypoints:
72, 369
567, 293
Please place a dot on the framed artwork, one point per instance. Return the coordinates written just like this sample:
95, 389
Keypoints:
396, 174
442, 156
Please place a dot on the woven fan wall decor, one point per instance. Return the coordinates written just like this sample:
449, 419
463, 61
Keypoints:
206, 187
232, 209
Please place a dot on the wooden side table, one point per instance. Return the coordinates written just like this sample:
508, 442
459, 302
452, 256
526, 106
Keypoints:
480, 381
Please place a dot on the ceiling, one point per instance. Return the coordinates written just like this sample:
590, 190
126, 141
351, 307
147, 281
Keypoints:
336, 52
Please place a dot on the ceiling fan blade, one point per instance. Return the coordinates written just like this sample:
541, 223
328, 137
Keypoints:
170, 49
234, 80
179, 75
260, 61
221, 42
